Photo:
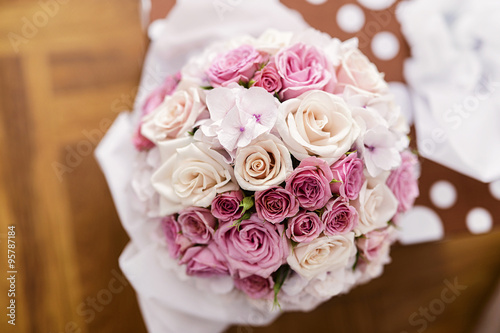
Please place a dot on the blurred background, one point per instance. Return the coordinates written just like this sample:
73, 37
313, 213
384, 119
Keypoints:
67, 68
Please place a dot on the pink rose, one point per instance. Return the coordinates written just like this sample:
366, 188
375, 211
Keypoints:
158, 95
304, 227
152, 102
275, 204
141, 143
339, 217
348, 173
204, 261
176, 242
226, 206
373, 242
310, 183
374, 250
303, 68
403, 181
197, 224
255, 286
268, 78
355, 69
237, 65
254, 248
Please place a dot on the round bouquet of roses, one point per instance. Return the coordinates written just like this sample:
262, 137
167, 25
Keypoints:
278, 165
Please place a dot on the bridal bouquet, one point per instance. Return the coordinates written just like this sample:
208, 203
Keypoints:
276, 168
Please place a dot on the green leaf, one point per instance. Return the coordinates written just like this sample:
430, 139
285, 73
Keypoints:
245, 216
351, 152
356, 261
281, 275
207, 87
247, 203
391, 223
237, 223
193, 131
251, 83
320, 211
243, 84
336, 181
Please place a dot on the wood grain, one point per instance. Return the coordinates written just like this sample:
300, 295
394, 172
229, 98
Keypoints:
59, 92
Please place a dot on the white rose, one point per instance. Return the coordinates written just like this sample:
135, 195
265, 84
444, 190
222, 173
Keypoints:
302, 302
322, 255
294, 285
333, 283
317, 124
192, 175
176, 116
264, 163
376, 205
355, 69
271, 41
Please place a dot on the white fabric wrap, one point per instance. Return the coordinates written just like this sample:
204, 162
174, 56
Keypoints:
454, 76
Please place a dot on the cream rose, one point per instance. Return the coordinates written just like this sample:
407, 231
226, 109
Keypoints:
322, 255
176, 116
355, 69
191, 175
376, 205
271, 41
264, 163
317, 124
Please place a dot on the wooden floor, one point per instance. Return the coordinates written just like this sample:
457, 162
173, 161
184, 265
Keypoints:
63, 79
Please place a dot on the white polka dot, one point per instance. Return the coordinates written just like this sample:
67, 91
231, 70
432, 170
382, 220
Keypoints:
420, 224
495, 189
479, 220
385, 45
317, 2
350, 18
443, 194
376, 4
